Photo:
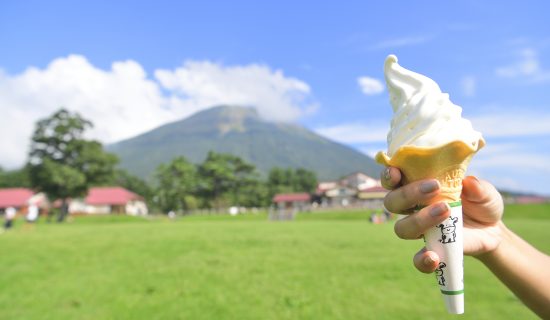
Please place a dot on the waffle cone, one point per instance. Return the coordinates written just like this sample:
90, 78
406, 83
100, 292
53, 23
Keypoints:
446, 163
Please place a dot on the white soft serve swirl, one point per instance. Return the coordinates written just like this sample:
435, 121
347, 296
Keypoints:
423, 115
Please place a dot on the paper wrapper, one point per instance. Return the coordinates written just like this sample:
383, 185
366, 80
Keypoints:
447, 164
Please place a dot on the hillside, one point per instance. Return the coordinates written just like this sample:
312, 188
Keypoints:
240, 131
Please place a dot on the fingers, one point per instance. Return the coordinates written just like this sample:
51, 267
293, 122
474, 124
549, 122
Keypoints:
426, 261
390, 178
481, 201
409, 196
415, 225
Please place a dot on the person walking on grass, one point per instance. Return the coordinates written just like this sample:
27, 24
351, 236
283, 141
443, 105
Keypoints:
9, 216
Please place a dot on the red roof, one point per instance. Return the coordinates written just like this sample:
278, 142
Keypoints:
14, 197
375, 189
110, 196
290, 197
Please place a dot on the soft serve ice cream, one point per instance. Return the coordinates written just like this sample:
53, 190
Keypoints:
429, 138
423, 115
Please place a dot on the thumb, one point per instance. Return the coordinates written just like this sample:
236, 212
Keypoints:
472, 190
481, 200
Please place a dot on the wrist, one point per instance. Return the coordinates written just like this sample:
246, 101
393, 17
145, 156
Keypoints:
504, 236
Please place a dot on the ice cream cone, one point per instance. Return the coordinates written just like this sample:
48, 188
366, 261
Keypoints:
447, 164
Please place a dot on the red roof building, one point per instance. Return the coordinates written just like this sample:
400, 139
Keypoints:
377, 192
106, 200
15, 197
292, 197
288, 204
110, 196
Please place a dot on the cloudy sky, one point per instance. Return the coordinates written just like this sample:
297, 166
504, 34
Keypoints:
130, 67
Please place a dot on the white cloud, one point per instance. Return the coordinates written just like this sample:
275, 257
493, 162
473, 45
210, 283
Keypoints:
512, 155
503, 124
355, 133
513, 166
370, 86
120, 102
201, 84
512, 124
468, 84
124, 101
528, 66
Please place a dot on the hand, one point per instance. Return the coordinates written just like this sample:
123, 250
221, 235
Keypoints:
482, 209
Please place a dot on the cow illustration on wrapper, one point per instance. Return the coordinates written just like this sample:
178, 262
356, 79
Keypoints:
439, 274
448, 230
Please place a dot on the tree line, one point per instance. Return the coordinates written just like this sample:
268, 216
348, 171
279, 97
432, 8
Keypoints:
63, 164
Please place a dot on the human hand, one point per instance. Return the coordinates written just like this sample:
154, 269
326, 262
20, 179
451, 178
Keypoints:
482, 209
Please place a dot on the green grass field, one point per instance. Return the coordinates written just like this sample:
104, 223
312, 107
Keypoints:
321, 266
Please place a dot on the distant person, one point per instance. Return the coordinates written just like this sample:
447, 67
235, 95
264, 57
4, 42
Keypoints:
521, 267
171, 215
375, 218
9, 216
32, 214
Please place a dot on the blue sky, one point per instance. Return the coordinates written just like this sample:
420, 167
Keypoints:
130, 66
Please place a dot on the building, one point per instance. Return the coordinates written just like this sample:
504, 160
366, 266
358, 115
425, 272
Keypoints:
288, 204
355, 189
108, 200
359, 181
372, 197
340, 195
21, 199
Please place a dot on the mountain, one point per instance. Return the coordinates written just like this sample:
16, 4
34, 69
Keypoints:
240, 131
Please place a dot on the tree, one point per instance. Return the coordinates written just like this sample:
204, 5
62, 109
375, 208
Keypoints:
291, 180
223, 177
177, 184
15, 178
305, 180
62, 163
279, 181
245, 181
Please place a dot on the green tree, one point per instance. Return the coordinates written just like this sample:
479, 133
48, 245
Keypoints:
64, 164
245, 181
304, 180
279, 181
254, 194
223, 177
290, 180
15, 178
176, 185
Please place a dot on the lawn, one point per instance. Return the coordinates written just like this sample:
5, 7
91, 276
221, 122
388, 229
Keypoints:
321, 266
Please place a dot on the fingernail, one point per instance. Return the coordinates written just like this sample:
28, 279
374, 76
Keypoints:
474, 179
438, 210
472, 190
429, 186
429, 261
387, 175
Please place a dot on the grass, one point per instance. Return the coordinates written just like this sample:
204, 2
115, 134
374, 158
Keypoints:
322, 266
532, 211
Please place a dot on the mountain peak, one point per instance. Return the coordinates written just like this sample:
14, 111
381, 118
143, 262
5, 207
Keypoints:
228, 118
240, 131
231, 111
